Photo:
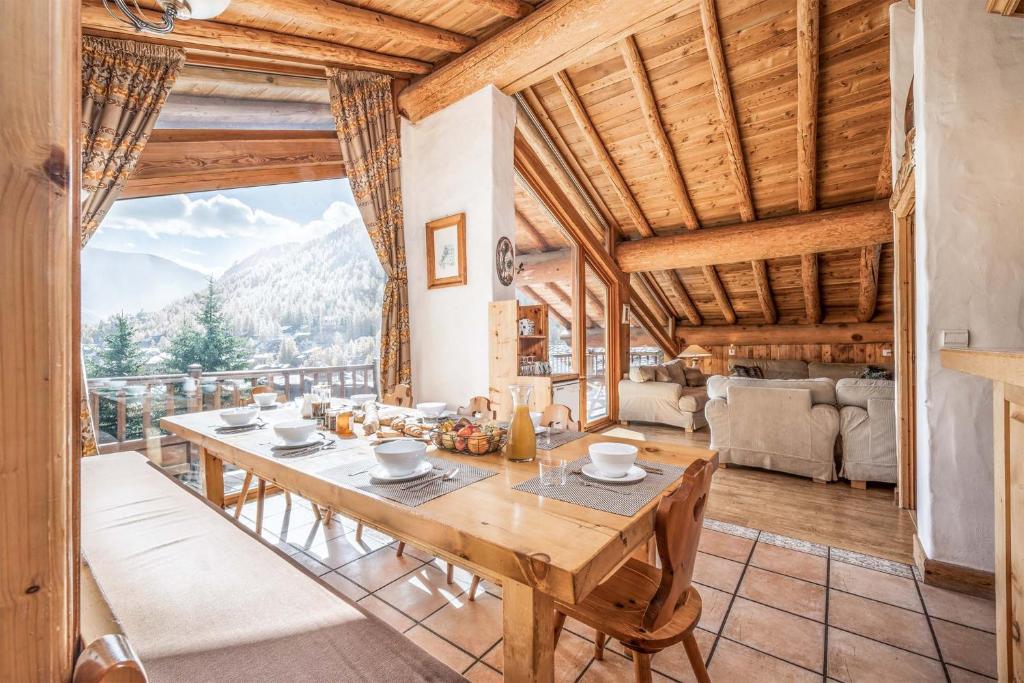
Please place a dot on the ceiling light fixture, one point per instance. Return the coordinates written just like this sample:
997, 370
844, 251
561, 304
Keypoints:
173, 11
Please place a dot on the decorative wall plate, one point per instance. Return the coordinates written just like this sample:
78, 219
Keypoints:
504, 261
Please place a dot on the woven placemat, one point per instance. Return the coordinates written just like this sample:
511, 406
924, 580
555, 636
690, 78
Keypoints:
620, 499
557, 439
357, 474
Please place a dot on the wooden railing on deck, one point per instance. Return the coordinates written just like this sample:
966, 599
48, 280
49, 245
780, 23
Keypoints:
143, 399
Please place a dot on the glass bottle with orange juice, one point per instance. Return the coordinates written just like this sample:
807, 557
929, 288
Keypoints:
522, 441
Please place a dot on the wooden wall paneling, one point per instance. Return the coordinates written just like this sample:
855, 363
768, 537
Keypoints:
40, 365
718, 363
250, 41
559, 33
826, 333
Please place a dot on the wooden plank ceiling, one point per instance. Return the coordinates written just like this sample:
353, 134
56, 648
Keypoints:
722, 115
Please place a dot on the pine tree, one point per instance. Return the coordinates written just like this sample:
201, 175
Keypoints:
121, 355
289, 352
212, 345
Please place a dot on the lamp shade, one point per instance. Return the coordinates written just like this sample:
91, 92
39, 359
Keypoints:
694, 351
206, 9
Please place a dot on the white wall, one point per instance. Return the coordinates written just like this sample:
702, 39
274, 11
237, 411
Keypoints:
457, 160
968, 99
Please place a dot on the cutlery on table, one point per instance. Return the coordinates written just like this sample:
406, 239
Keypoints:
584, 482
447, 476
651, 470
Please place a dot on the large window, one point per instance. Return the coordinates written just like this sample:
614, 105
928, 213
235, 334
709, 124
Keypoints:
191, 300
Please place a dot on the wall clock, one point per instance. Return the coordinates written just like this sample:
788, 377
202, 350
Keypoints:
504, 261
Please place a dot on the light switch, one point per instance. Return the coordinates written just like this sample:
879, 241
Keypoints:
886, 352
955, 339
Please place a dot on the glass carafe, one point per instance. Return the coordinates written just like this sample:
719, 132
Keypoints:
522, 441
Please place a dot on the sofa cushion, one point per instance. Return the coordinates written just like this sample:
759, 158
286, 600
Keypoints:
857, 392
643, 373
774, 369
676, 371
695, 378
836, 371
693, 399
822, 390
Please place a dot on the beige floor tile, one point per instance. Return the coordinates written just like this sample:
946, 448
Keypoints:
571, 657
344, 586
731, 547
965, 647
714, 605
473, 626
960, 608
311, 564
481, 673
893, 625
673, 661
420, 593
379, 568
853, 659
880, 586
784, 592
614, 668
736, 662
958, 675
579, 628
416, 552
786, 636
790, 562
387, 613
717, 572
440, 649
342, 549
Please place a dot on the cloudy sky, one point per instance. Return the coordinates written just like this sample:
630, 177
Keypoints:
209, 231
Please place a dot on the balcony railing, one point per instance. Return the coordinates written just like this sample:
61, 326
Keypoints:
126, 411
561, 363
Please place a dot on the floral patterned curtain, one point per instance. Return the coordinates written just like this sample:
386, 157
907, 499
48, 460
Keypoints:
364, 114
124, 86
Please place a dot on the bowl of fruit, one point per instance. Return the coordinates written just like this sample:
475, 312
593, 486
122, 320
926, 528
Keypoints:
467, 436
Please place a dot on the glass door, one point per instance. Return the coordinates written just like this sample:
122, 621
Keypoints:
594, 368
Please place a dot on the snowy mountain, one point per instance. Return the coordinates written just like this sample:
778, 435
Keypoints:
116, 281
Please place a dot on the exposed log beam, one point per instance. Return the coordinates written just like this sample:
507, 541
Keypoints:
811, 287
689, 309
538, 269
531, 230
194, 111
516, 9
764, 292
642, 285
867, 300
721, 296
205, 81
883, 186
558, 34
848, 227
663, 301
841, 333
337, 17
262, 64
566, 300
250, 41
532, 293
1005, 7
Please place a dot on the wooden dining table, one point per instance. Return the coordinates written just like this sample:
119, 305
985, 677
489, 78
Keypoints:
539, 549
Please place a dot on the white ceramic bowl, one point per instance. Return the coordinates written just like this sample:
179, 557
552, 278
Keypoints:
294, 432
431, 409
401, 456
267, 398
238, 417
360, 399
613, 459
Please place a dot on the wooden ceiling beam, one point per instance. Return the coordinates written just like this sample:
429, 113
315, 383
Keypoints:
250, 41
689, 309
871, 256
1005, 7
332, 15
516, 9
556, 35
531, 230
737, 159
847, 227
642, 284
721, 296
744, 335
532, 293
807, 21
659, 292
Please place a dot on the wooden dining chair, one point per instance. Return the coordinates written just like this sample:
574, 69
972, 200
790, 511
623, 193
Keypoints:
649, 609
478, 404
401, 395
559, 416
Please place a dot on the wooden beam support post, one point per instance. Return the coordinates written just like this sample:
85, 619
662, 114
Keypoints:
207, 35
871, 256
737, 159
748, 335
848, 227
807, 18
809, 283
40, 367
558, 34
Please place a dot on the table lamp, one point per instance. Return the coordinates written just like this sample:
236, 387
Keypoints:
694, 353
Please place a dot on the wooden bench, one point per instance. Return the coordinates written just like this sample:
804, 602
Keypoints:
199, 598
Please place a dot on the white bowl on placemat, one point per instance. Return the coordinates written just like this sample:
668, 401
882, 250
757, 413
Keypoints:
613, 459
294, 432
239, 417
266, 399
401, 456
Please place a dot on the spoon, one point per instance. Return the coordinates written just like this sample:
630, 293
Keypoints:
448, 476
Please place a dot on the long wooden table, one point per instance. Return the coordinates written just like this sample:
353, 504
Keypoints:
539, 549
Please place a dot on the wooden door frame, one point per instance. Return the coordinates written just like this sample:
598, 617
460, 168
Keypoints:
902, 204
40, 367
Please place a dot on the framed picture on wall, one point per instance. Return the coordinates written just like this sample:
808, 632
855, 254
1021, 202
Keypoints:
446, 251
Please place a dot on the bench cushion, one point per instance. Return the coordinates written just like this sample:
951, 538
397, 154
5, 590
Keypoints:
202, 599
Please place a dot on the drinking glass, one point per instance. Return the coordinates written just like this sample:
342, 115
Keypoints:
552, 471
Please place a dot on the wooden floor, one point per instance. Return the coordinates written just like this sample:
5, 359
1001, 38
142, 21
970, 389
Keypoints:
833, 514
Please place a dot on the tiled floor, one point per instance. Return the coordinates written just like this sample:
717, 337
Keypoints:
775, 609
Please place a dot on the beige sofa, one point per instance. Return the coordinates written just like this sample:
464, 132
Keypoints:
786, 425
867, 426
798, 369
668, 394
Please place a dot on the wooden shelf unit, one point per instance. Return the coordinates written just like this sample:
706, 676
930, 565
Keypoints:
507, 347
